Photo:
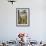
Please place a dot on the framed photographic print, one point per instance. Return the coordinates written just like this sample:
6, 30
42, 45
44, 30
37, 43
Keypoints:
22, 16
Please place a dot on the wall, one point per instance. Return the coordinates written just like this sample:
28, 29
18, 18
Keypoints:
37, 28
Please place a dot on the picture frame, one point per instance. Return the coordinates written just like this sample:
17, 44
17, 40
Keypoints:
22, 17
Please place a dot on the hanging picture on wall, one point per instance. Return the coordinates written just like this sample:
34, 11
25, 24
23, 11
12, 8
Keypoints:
22, 17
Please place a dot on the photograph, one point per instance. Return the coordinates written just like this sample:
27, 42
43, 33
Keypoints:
22, 22
22, 16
